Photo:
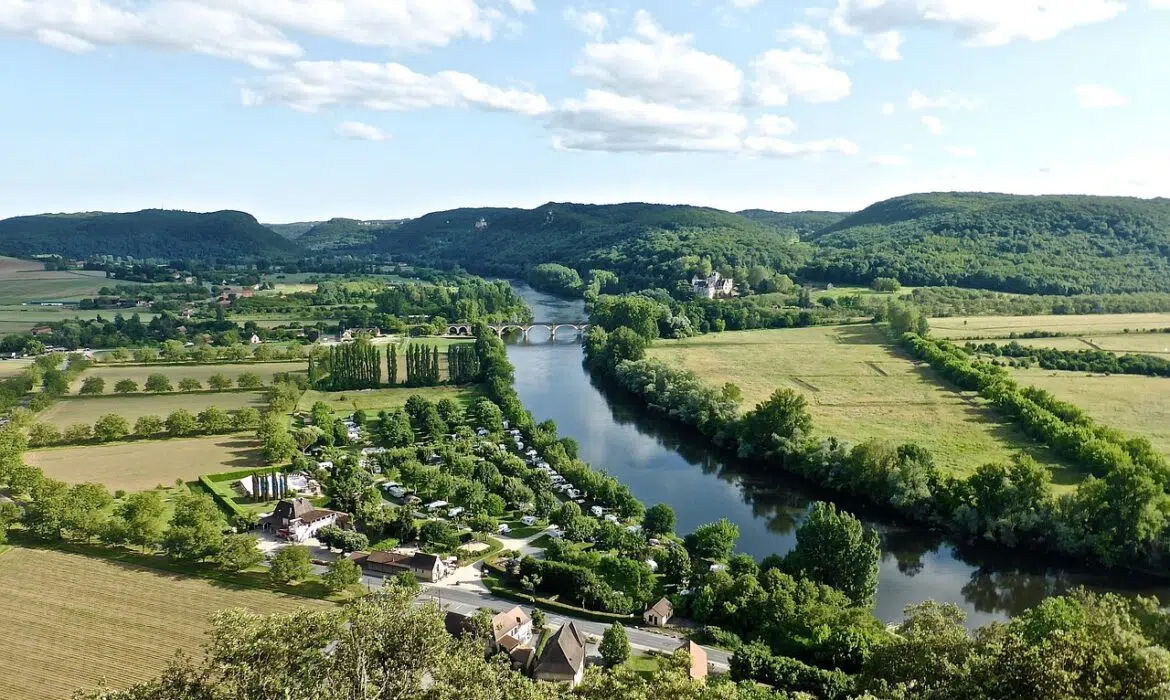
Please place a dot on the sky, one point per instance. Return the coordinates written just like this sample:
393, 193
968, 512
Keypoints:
302, 110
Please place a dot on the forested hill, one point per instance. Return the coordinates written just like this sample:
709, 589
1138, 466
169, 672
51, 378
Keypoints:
336, 234
294, 230
1047, 244
152, 233
798, 224
646, 245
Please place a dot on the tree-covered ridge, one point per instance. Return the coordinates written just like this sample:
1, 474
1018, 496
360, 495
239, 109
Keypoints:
799, 225
1047, 244
338, 233
151, 233
294, 230
646, 245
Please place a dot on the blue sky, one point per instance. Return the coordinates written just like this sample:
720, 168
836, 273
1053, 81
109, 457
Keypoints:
307, 109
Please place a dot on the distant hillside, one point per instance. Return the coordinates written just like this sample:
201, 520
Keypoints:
292, 231
645, 244
153, 233
1049, 244
800, 224
344, 233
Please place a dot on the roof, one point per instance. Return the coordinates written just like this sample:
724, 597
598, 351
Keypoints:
297, 507
458, 624
508, 621
698, 659
316, 514
417, 560
565, 651
662, 608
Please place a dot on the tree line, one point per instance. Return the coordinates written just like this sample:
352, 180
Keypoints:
1101, 361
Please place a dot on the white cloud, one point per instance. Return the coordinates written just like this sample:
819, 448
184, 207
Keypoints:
522, 5
888, 109
310, 85
976, 22
360, 131
774, 125
947, 100
656, 66
934, 124
815, 40
590, 22
779, 148
1099, 97
888, 161
743, 4
784, 73
962, 151
885, 45
1160, 4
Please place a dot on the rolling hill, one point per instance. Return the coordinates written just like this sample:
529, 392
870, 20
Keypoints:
344, 234
148, 234
646, 245
293, 230
799, 225
1044, 244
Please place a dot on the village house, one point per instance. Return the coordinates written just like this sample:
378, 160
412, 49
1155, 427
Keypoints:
563, 660
425, 567
659, 614
355, 333
297, 519
512, 629
254, 340
712, 287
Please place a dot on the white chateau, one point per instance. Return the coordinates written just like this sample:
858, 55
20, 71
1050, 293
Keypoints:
712, 287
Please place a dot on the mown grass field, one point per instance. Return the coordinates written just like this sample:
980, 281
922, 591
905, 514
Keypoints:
860, 387
1088, 325
114, 373
17, 319
68, 411
26, 280
9, 368
1135, 404
74, 621
374, 400
140, 465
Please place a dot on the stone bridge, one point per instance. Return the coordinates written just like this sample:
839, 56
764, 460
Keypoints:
466, 329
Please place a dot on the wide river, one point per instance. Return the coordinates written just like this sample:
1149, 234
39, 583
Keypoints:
663, 464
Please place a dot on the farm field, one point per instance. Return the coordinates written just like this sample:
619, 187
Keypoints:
1001, 326
374, 400
26, 280
1134, 404
136, 466
860, 387
1117, 343
114, 373
11, 367
68, 411
17, 319
82, 620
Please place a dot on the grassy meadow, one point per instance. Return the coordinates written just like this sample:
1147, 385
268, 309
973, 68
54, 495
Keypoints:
75, 621
114, 373
960, 327
26, 280
140, 465
860, 387
67, 411
374, 400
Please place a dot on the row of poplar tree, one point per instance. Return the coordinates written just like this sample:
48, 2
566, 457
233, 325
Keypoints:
359, 366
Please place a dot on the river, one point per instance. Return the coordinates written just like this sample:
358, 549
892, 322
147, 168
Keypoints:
662, 463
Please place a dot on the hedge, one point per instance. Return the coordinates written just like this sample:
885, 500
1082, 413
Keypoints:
500, 590
224, 502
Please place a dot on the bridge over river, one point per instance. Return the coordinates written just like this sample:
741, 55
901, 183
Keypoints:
465, 329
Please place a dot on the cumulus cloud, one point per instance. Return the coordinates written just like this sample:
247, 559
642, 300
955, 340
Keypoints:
784, 73
885, 45
774, 125
962, 151
779, 148
360, 131
888, 161
589, 22
656, 66
810, 38
948, 100
977, 23
1099, 97
311, 85
933, 124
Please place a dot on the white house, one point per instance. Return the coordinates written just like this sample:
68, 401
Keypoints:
298, 519
254, 340
659, 614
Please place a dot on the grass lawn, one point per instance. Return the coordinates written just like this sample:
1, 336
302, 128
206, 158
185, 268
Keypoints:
374, 400
76, 620
642, 664
72, 410
135, 466
114, 373
1134, 404
9, 368
859, 387
1001, 326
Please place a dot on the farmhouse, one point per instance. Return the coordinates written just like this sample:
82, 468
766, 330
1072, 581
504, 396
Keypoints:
659, 613
425, 567
712, 287
297, 519
563, 660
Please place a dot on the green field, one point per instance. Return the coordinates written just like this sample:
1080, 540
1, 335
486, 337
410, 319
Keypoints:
75, 620
374, 400
113, 373
1134, 404
18, 319
9, 368
1088, 325
26, 280
72, 410
860, 387
140, 465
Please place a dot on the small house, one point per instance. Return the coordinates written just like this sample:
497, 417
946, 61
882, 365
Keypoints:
297, 519
659, 614
425, 567
254, 340
563, 658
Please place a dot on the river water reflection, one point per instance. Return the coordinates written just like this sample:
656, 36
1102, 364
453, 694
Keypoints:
663, 464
